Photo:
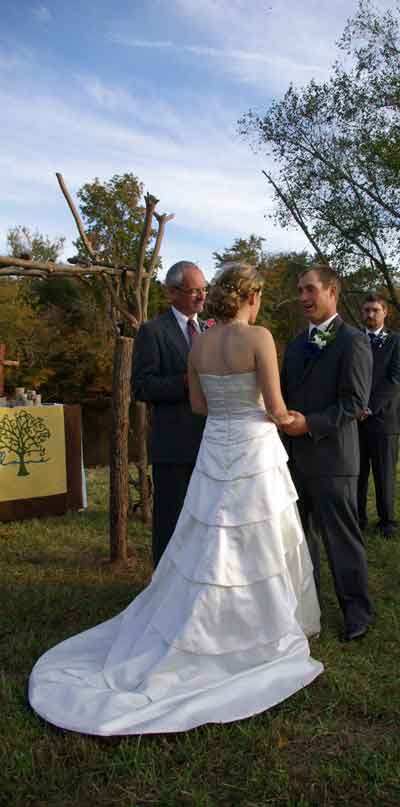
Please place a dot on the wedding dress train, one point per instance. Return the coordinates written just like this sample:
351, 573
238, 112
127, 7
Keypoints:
220, 632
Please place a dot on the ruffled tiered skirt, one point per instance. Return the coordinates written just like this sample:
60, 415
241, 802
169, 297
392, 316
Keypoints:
220, 632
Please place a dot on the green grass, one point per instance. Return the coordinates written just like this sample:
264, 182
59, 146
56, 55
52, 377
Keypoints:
334, 743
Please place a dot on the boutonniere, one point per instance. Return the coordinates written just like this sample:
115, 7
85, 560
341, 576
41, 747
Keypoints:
209, 323
321, 339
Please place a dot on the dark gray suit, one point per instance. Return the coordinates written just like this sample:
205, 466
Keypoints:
330, 389
159, 378
379, 433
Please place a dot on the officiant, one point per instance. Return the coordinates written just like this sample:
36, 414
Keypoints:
160, 378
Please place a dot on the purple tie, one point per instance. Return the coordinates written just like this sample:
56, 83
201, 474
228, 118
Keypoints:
191, 330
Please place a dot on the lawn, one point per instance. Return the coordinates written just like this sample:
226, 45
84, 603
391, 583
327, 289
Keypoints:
335, 743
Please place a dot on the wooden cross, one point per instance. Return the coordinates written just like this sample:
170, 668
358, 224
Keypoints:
5, 363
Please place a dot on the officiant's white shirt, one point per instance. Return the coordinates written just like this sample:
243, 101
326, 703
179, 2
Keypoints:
182, 321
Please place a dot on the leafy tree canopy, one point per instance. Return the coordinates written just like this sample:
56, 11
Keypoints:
113, 214
249, 250
335, 149
22, 240
58, 326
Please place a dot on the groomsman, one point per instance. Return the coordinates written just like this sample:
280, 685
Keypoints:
326, 378
160, 378
379, 425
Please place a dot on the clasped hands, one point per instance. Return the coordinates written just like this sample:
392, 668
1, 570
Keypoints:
297, 426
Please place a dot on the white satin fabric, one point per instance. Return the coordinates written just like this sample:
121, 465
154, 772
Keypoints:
220, 632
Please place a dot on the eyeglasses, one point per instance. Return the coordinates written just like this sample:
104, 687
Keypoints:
192, 292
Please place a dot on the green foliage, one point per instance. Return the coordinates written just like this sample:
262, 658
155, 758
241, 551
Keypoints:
113, 214
280, 311
21, 241
59, 327
336, 148
249, 250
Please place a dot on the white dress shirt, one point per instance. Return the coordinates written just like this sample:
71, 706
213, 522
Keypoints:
182, 320
323, 326
379, 330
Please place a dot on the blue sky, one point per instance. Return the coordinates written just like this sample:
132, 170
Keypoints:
153, 87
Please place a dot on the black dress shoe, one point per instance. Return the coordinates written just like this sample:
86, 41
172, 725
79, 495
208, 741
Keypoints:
386, 530
352, 632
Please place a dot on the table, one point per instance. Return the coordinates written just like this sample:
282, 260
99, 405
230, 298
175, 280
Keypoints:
73, 497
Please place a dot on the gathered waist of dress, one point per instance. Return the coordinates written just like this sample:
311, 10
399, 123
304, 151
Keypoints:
238, 428
251, 413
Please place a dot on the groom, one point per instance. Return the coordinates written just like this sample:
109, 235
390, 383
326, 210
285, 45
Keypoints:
326, 378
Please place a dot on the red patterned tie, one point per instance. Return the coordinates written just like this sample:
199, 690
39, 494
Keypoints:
191, 330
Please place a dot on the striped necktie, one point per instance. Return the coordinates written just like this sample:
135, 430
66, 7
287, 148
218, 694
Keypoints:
192, 331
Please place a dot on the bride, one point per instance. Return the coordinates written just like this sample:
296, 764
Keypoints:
221, 631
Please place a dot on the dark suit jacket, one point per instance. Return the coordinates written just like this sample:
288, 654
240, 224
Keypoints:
331, 389
384, 401
159, 366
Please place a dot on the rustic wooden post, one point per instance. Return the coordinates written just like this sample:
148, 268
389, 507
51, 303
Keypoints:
142, 462
119, 449
5, 363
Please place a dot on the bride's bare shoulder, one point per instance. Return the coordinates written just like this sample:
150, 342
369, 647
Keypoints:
262, 334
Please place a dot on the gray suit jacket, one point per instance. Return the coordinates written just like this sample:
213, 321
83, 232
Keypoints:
384, 401
330, 389
159, 368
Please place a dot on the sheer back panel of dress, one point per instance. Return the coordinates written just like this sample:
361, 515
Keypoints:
225, 350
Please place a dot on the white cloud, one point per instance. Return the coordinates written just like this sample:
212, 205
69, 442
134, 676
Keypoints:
141, 43
249, 66
209, 180
269, 45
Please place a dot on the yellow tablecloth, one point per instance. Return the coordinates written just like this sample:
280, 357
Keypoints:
32, 452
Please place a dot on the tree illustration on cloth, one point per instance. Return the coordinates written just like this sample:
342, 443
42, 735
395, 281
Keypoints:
23, 434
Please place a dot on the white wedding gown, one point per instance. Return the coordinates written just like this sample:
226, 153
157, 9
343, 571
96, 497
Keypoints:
220, 632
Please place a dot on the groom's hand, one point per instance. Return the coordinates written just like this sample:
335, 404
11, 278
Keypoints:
299, 425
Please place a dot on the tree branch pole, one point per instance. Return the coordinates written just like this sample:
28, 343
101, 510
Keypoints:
53, 268
119, 450
151, 203
117, 304
142, 463
292, 207
162, 220
85, 239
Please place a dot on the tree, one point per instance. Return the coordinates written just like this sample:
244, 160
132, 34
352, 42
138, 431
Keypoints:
23, 434
250, 250
22, 242
335, 148
59, 325
113, 214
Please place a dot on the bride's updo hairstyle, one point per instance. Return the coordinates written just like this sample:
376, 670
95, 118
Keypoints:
230, 287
